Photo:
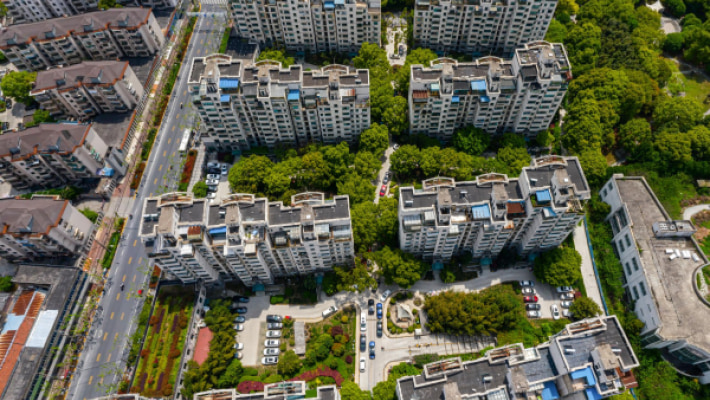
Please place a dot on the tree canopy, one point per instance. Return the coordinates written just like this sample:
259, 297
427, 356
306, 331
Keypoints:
559, 266
276, 55
200, 189
17, 84
375, 139
399, 267
585, 307
374, 223
471, 140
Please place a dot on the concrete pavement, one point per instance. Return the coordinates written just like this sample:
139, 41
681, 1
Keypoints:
381, 174
588, 276
103, 360
690, 211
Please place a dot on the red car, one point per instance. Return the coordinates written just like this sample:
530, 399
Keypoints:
530, 299
383, 190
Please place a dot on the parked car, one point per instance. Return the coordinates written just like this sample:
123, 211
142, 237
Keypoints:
564, 289
240, 319
385, 295
212, 164
213, 171
225, 169
567, 296
270, 360
372, 344
238, 327
566, 304
555, 311
530, 299
212, 182
379, 328
213, 176
212, 195
211, 188
527, 283
363, 322
238, 355
379, 310
371, 302
383, 190
238, 346
271, 352
386, 179
273, 334
528, 290
363, 343
395, 146
273, 318
371, 310
534, 314
274, 325
362, 364
566, 314
242, 299
372, 353
241, 310
532, 307
331, 310
272, 343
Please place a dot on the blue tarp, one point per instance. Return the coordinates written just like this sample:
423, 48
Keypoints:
216, 231
328, 5
585, 373
592, 394
12, 322
228, 83
543, 196
481, 211
455, 99
550, 391
485, 99
551, 211
478, 86
293, 94
224, 98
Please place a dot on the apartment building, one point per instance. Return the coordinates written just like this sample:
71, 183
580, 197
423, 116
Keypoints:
26, 11
661, 259
247, 238
308, 26
480, 27
532, 213
99, 35
57, 154
275, 391
243, 104
87, 89
519, 95
589, 359
41, 227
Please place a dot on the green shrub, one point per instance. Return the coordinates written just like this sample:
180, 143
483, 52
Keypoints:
410, 329
292, 342
415, 311
277, 299
249, 378
248, 371
273, 379
344, 319
282, 347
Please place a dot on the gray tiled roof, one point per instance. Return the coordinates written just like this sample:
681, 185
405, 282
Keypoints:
43, 137
30, 216
87, 73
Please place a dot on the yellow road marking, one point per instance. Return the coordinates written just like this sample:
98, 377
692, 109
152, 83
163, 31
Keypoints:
135, 242
124, 278
202, 41
160, 168
170, 139
91, 378
128, 296
165, 152
130, 259
140, 259
185, 92
118, 296
177, 116
173, 130
107, 360
172, 155
115, 336
112, 315
105, 335
98, 357
155, 182
134, 278
101, 382
122, 315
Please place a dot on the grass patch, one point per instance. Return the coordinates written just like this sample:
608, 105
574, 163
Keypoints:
90, 214
694, 85
110, 253
225, 40
138, 335
670, 190
705, 246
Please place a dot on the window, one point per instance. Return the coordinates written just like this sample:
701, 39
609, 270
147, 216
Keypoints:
643, 288
628, 241
636, 265
621, 246
628, 269
636, 293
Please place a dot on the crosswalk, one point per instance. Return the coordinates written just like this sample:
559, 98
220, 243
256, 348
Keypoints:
216, 2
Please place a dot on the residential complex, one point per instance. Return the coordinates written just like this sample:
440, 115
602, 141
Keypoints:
480, 27
243, 104
100, 35
589, 359
518, 95
84, 90
50, 155
246, 238
41, 227
26, 11
660, 259
313, 26
275, 391
532, 213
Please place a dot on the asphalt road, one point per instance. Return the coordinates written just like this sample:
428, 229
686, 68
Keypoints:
103, 359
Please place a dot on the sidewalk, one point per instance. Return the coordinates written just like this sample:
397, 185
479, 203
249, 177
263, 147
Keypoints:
588, 275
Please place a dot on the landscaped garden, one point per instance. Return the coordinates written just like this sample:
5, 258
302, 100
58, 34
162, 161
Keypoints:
403, 312
160, 357
110, 253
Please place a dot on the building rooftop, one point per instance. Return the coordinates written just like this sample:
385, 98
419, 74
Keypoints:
337, 209
44, 138
57, 28
35, 216
113, 128
683, 315
275, 391
86, 73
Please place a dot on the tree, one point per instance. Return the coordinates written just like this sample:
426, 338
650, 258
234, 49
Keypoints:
248, 175
372, 222
584, 45
355, 279
405, 161
394, 116
70, 192
511, 160
585, 307
675, 7
381, 96
674, 43
683, 112
471, 140
367, 165
399, 267
556, 32
106, 4
17, 84
288, 364
375, 139
200, 190
594, 165
635, 133
416, 56
512, 140
582, 125
316, 171
231, 376
568, 7
385, 390
6, 284
3, 10
559, 266
675, 148
371, 56
276, 55
39, 117
357, 187
351, 391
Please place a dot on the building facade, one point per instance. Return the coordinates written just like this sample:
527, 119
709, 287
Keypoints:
589, 359
244, 104
532, 213
274, 391
41, 227
87, 89
661, 259
519, 95
100, 35
27, 11
480, 27
246, 238
308, 26
57, 154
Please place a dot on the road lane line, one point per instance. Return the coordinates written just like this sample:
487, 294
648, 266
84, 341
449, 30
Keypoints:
160, 168
140, 259
112, 315
172, 155
124, 278
107, 360
91, 379
98, 357
173, 130
165, 153
170, 140
135, 242
134, 278
115, 337
101, 381
155, 182
118, 296
122, 315
105, 336
130, 259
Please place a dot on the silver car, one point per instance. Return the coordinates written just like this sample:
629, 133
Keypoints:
271, 352
270, 360
555, 311
274, 325
271, 343
534, 314
273, 334
566, 304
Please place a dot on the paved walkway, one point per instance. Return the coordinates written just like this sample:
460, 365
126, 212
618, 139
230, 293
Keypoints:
690, 211
588, 275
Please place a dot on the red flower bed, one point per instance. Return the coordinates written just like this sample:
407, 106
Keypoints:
250, 386
189, 166
320, 371
160, 381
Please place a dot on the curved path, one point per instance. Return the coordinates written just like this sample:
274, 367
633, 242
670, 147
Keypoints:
690, 211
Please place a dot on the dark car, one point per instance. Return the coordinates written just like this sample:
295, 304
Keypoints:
241, 310
379, 310
242, 299
371, 302
273, 318
530, 299
372, 353
240, 319
532, 307
371, 310
363, 343
379, 328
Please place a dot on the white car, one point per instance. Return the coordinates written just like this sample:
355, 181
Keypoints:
225, 169
564, 289
363, 322
271, 343
567, 296
528, 291
213, 176
566, 314
527, 283
534, 314
555, 311
238, 346
330, 311
362, 364
212, 182
270, 360
271, 352
238, 327
385, 295
238, 355
273, 334
212, 195
566, 304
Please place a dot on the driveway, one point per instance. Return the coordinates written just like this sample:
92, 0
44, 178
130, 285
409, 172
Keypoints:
381, 174
690, 211
588, 276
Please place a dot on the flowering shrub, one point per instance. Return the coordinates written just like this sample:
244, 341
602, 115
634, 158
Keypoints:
250, 386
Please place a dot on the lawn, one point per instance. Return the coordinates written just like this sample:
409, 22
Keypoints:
336, 357
694, 85
160, 358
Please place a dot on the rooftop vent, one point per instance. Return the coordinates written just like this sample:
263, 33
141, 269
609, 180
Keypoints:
408, 203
